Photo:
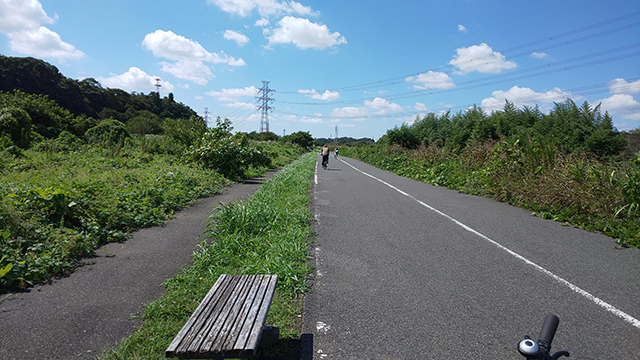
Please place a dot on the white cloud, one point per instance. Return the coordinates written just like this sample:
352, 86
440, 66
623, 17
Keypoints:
262, 22
17, 16
377, 106
21, 21
621, 86
623, 105
537, 55
239, 104
189, 55
239, 38
304, 34
480, 58
382, 106
192, 70
233, 94
135, 80
525, 97
431, 80
327, 95
462, 28
314, 120
265, 7
421, 107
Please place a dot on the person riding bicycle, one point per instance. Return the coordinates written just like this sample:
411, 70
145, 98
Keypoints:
336, 154
325, 156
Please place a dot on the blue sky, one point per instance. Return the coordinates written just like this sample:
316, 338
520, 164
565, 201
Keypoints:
361, 67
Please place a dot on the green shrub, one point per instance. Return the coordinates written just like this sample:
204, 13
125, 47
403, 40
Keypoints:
15, 124
65, 142
230, 155
109, 131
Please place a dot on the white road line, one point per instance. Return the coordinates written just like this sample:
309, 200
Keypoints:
608, 307
315, 173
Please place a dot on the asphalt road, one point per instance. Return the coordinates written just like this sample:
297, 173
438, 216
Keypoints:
405, 270
76, 317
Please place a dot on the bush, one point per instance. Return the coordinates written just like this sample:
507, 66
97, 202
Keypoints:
144, 122
65, 142
230, 155
109, 131
15, 124
185, 132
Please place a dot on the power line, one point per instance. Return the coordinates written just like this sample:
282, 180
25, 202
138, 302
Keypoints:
509, 76
400, 79
586, 90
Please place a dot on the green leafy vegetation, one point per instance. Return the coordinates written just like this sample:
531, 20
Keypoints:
267, 234
570, 165
58, 207
69, 183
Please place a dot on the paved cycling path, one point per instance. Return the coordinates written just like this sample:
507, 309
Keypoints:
76, 317
405, 270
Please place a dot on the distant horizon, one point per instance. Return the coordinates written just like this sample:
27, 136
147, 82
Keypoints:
364, 67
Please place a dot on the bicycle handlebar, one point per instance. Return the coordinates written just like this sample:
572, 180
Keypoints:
540, 350
548, 331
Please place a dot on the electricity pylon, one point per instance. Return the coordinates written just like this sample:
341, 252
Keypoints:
263, 105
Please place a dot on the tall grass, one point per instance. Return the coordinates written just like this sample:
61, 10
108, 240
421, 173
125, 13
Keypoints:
57, 207
266, 234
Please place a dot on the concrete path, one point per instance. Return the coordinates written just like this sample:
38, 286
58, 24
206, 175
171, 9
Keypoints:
78, 316
406, 270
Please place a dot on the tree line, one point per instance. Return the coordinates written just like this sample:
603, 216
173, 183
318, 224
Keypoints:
36, 100
567, 126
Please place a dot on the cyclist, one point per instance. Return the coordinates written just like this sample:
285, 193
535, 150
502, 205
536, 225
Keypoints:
325, 156
336, 154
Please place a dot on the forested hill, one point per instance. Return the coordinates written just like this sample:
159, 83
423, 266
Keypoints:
84, 97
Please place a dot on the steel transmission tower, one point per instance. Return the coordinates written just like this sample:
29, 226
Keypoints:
263, 105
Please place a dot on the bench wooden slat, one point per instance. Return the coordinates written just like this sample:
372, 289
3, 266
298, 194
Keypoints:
241, 317
250, 312
218, 314
225, 324
262, 309
188, 331
229, 321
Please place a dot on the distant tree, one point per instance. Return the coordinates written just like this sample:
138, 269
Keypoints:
404, 136
47, 117
185, 132
267, 136
15, 125
633, 142
109, 131
144, 122
80, 124
302, 138
84, 97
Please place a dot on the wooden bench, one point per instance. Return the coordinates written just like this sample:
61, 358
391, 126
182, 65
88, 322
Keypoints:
229, 321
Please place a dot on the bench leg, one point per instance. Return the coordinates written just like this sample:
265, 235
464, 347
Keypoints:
270, 334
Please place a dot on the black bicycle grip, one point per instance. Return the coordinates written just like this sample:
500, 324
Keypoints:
548, 331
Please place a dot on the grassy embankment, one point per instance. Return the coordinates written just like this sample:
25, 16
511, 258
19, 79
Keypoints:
266, 234
577, 189
58, 206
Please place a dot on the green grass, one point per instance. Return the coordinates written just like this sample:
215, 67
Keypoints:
267, 234
58, 206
